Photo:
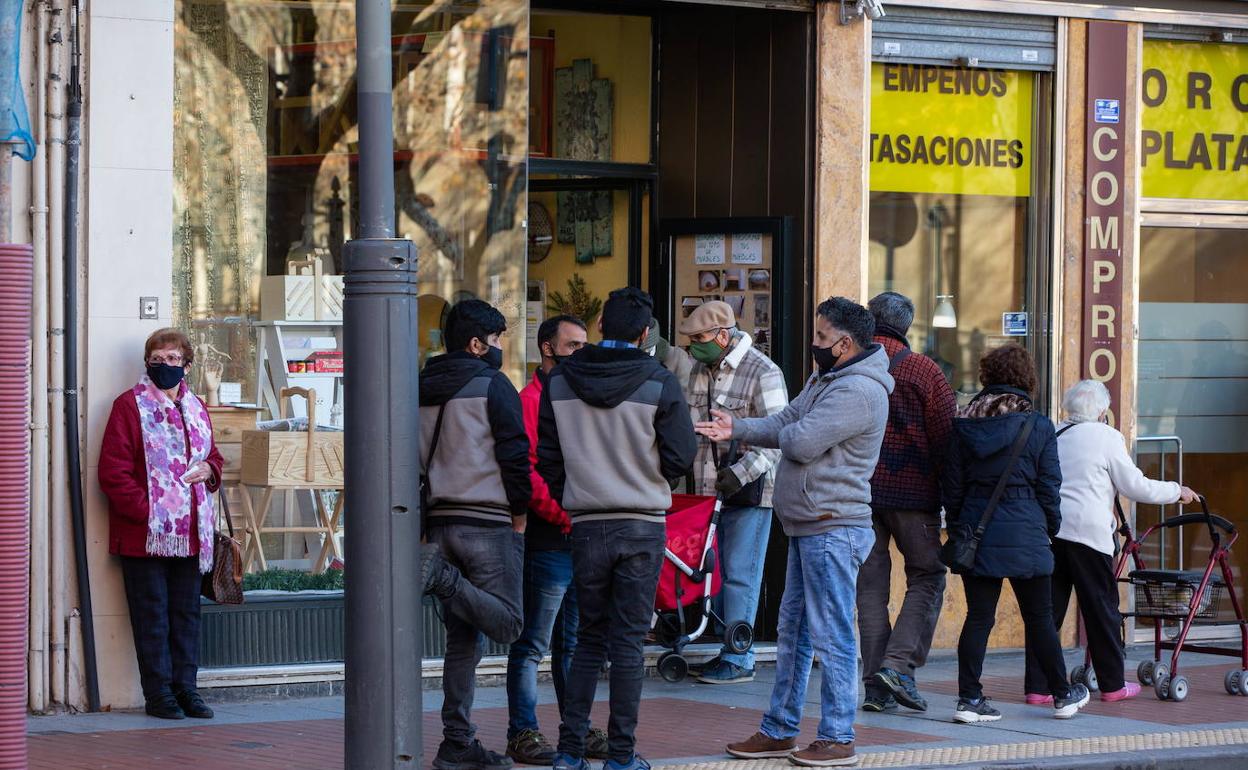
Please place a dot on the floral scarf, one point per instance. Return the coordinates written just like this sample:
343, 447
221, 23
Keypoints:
165, 437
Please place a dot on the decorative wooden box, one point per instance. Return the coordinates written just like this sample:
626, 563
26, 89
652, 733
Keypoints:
294, 459
228, 425
300, 295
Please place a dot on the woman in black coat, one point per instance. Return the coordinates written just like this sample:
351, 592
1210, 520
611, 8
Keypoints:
1016, 542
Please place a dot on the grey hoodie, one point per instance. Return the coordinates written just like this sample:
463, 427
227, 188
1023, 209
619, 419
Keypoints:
829, 439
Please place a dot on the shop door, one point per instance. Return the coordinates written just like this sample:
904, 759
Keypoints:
1193, 377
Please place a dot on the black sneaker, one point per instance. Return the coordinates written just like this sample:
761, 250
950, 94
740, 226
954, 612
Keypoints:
978, 710
902, 687
1065, 708
596, 746
440, 578
193, 705
164, 707
530, 747
878, 700
475, 756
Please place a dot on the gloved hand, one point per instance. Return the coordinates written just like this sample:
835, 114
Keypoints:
726, 482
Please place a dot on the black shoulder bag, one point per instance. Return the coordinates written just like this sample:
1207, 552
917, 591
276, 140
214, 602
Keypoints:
749, 495
426, 492
958, 552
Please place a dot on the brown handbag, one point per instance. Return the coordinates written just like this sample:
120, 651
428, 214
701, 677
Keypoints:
224, 584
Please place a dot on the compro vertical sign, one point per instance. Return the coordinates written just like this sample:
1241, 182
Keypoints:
950, 130
1194, 142
1104, 176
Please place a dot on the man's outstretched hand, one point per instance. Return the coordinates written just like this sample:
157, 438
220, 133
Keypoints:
718, 429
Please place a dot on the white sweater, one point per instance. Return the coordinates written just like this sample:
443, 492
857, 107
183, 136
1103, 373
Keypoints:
1094, 463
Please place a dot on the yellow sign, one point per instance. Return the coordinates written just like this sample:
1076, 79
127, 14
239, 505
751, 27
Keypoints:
1194, 142
947, 130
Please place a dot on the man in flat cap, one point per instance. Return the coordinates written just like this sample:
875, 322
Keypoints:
727, 373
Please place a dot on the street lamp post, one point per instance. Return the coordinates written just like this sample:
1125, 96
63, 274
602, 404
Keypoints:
383, 587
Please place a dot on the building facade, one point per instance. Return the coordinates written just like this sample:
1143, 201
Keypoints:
1072, 177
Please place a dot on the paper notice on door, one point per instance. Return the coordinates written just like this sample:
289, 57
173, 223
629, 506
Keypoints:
708, 250
747, 249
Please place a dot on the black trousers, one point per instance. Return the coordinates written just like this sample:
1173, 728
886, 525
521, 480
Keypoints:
487, 601
615, 568
1035, 603
1091, 574
163, 597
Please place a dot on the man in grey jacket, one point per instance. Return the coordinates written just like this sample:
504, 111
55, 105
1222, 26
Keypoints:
829, 439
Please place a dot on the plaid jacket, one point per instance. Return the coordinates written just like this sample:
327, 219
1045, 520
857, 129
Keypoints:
746, 384
920, 419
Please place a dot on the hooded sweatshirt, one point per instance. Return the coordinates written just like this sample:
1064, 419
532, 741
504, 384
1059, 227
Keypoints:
479, 473
829, 439
613, 429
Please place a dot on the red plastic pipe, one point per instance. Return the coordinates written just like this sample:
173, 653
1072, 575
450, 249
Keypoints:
16, 285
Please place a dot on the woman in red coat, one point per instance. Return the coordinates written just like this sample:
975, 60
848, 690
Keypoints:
159, 469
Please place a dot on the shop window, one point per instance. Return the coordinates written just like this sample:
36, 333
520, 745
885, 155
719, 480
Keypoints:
1193, 377
955, 157
266, 173
266, 167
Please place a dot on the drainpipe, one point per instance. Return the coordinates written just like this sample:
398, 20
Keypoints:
73, 443
37, 655
383, 597
58, 537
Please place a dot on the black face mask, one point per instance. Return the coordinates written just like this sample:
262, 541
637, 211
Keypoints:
165, 376
493, 357
825, 359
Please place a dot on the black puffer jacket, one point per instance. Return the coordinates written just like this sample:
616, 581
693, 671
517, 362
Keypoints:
1017, 540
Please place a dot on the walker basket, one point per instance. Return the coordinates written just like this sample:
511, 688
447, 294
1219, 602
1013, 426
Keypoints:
1172, 594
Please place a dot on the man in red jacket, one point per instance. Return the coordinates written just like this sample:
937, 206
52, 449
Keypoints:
905, 509
550, 612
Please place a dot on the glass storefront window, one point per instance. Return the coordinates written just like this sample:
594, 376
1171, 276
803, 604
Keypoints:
265, 155
266, 173
955, 157
1193, 377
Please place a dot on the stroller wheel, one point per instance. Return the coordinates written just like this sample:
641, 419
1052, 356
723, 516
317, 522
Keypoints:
1144, 672
1232, 680
739, 637
672, 667
1178, 689
1090, 679
1077, 675
1243, 682
1161, 687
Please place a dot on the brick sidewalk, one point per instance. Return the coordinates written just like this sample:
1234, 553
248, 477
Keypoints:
681, 723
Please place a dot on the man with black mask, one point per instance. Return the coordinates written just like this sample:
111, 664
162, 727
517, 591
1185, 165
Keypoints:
475, 455
829, 439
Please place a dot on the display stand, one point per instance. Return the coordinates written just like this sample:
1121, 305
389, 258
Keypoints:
277, 342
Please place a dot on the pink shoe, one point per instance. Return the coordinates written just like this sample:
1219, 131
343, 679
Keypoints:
1036, 699
1130, 690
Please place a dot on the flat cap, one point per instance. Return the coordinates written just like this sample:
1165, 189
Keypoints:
708, 316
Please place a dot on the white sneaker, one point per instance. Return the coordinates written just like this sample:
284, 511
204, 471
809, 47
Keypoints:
1065, 708
969, 712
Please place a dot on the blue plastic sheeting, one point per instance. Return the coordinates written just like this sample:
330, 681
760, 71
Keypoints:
14, 120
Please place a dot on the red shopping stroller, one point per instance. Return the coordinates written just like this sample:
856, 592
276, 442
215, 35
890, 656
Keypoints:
1190, 597
688, 580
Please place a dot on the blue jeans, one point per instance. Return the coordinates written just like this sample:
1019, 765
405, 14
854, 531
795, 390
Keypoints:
817, 617
550, 618
743, 534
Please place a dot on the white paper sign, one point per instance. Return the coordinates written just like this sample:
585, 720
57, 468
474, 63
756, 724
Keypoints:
747, 249
708, 250
533, 319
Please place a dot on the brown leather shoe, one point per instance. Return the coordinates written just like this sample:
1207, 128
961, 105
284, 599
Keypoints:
825, 754
760, 746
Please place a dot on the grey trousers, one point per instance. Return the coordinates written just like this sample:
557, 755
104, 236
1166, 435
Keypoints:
903, 645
